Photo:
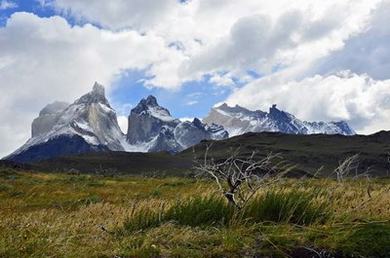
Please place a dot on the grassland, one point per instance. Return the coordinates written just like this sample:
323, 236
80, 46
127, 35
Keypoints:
60, 215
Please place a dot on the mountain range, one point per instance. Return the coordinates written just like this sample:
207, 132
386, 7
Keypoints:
238, 120
90, 125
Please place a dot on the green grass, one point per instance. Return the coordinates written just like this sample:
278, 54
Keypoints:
59, 215
297, 207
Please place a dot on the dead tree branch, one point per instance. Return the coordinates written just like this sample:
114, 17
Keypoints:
237, 178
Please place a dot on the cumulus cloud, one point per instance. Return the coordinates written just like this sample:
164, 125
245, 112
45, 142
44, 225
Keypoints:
357, 99
264, 43
118, 14
219, 36
6, 4
367, 52
221, 80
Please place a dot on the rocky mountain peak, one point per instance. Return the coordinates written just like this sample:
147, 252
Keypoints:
278, 114
150, 106
98, 89
223, 106
151, 101
97, 95
197, 123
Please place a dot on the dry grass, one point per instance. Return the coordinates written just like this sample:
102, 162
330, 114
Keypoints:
57, 215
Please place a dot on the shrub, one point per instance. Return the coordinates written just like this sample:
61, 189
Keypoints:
288, 207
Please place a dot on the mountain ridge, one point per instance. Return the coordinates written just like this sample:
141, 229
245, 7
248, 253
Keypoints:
239, 120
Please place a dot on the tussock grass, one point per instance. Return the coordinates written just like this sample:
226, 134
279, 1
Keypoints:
58, 215
297, 207
200, 211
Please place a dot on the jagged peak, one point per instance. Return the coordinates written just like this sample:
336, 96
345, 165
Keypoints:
223, 105
196, 122
151, 106
98, 89
97, 95
280, 115
151, 101
273, 108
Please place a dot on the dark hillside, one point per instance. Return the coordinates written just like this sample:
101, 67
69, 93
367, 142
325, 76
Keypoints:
308, 152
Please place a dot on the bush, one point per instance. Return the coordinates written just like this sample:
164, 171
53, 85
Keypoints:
288, 207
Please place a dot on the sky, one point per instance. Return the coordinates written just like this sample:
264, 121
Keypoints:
319, 60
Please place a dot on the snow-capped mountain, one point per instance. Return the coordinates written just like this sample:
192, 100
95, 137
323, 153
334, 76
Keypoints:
238, 120
152, 128
89, 124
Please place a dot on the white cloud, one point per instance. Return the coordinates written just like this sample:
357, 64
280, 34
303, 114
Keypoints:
118, 14
222, 80
45, 59
7, 4
263, 43
358, 99
219, 36
192, 102
368, 52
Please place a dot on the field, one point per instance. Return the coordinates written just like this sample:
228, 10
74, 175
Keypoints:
64, 215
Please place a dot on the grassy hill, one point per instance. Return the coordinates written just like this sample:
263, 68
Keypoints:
309, 153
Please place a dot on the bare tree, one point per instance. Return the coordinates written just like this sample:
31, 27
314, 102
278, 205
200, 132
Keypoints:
346, 166
238, 179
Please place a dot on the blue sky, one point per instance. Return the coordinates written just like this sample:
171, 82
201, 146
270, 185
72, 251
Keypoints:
194, 99
321, 62
25, 6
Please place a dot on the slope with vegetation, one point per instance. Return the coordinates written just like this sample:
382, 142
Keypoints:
60, 215
310, 154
